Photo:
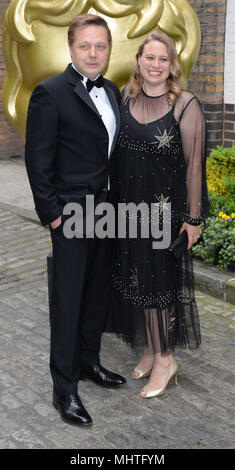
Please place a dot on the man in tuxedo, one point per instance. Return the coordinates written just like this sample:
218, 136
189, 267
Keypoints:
72, 126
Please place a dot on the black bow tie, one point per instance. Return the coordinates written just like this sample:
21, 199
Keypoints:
99, 82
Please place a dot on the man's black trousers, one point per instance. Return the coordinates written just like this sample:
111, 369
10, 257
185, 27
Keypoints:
80, 294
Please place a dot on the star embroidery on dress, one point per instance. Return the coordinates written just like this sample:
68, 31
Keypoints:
161, 200
164, 139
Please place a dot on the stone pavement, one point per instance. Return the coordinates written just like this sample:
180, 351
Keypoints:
197, 414
14, 186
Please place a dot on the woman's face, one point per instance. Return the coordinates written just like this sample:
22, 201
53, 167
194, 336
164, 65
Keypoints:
154, 64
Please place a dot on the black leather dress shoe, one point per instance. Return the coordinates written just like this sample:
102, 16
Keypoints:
71, 409
102, 376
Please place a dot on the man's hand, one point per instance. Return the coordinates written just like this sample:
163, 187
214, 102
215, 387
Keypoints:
56, 223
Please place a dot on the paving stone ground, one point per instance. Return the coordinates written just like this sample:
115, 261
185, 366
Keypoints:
197, 414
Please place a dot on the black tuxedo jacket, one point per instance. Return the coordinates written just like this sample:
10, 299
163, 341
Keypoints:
66, 152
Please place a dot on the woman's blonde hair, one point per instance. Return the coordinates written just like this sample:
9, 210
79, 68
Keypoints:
175, 75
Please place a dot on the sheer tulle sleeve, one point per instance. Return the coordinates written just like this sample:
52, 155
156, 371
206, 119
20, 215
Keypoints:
193, 135
124, 94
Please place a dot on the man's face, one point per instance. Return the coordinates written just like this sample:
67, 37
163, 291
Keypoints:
90, 50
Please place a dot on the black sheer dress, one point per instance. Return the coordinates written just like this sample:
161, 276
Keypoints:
159, 158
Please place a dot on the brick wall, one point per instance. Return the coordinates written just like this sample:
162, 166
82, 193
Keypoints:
229, 125
229, 76
207, 76
10, 142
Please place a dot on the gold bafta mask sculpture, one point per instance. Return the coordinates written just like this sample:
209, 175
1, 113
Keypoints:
35, 41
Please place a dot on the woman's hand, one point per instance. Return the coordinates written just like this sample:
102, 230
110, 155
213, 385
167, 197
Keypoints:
194, 232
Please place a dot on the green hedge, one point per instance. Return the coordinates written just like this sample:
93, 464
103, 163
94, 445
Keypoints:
217, 243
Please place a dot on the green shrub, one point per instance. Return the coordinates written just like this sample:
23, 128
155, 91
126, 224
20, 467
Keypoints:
221, 171
221, 203
217, 244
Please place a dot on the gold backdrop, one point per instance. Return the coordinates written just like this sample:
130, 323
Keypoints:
35, 41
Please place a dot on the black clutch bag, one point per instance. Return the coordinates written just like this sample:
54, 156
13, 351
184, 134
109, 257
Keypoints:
179, 245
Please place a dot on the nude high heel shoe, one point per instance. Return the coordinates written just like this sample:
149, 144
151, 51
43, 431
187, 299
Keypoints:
160, 391
141, 373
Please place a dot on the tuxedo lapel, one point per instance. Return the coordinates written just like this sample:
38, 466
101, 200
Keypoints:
113, 101
79, 88
84, 95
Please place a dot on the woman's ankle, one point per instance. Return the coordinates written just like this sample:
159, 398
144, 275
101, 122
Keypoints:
164, 360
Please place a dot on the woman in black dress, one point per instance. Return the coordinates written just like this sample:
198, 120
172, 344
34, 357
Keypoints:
159, 158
